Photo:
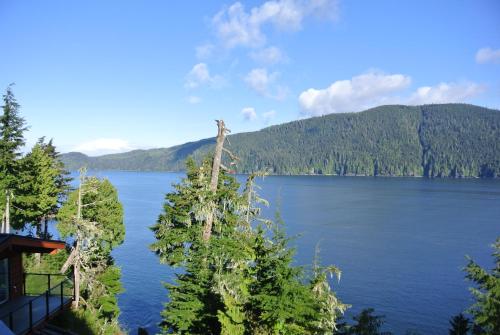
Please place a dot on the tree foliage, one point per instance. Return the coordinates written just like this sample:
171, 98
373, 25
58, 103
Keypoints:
43, 185
12, 128
92, 218
365, 323
445, 140
240, 281
486, 310
459, 325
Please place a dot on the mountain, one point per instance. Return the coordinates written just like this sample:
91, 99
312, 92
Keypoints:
444, 140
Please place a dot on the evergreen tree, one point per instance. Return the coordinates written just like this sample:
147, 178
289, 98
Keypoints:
486, 310
240, 281
366, 323
12, 127
92, 217
460, 325
43, 185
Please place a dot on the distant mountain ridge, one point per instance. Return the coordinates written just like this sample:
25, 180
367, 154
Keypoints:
442, 140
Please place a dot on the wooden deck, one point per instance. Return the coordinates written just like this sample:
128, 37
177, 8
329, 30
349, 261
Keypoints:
21, 311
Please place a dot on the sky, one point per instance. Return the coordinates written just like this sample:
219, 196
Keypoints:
111, 76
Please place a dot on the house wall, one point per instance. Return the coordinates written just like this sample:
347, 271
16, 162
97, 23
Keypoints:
16, 275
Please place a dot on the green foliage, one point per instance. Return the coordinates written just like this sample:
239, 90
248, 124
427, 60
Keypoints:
43, 183
92, 217
459, 325
447, 140
107, 301
366, 323
85, 322
460, 141
102, 208
12, 128
241, 281
486, 310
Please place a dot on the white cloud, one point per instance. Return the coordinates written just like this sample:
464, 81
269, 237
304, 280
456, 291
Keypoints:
271, 55
200, 75
268, 116
193, 99
445, 92
264, 83
102, 146
237, 27
204, 51
488, 55
260, 80
375, 88
249, 113
360, 92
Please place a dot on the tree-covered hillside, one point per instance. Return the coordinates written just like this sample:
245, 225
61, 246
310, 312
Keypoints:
446, 140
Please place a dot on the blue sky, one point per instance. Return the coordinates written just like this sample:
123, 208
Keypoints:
110, 76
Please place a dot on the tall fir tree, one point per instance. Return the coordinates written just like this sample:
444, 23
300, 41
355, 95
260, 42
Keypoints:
12, 128
43, 185
241, 280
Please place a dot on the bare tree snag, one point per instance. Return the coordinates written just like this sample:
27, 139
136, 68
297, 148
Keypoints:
216, 166
75, 256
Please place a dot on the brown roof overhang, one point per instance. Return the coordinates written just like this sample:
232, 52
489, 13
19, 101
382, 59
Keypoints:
10, 243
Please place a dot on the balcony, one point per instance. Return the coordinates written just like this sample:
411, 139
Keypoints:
44, 296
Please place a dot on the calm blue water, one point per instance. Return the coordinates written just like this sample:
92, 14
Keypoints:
400, 242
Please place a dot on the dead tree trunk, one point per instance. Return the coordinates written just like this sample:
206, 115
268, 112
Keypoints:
216, 166
76, 275
75, 257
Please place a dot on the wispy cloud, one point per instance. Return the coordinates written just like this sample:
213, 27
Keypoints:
488, 55
193, 99
200, 75
264, 83
268, 116
377, 88
204, 51
249, 113
236, 26
103, 146
268, 56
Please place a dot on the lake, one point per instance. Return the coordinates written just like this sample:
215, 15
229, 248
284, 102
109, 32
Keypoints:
400, 242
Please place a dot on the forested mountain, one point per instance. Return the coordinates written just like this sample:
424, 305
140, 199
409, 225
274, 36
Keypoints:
445, 140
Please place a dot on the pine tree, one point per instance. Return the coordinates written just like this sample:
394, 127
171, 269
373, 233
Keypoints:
12, 128
486, 310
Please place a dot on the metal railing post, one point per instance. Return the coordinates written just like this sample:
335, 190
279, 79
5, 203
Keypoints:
24, 283
48, 281
31, 314
62, 295
47, 311
11, 321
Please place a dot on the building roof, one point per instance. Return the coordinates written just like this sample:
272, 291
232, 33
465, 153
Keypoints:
11, 243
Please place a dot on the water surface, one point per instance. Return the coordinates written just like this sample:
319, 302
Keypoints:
400, 242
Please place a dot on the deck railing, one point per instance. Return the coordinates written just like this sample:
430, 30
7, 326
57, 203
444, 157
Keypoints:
46, 294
